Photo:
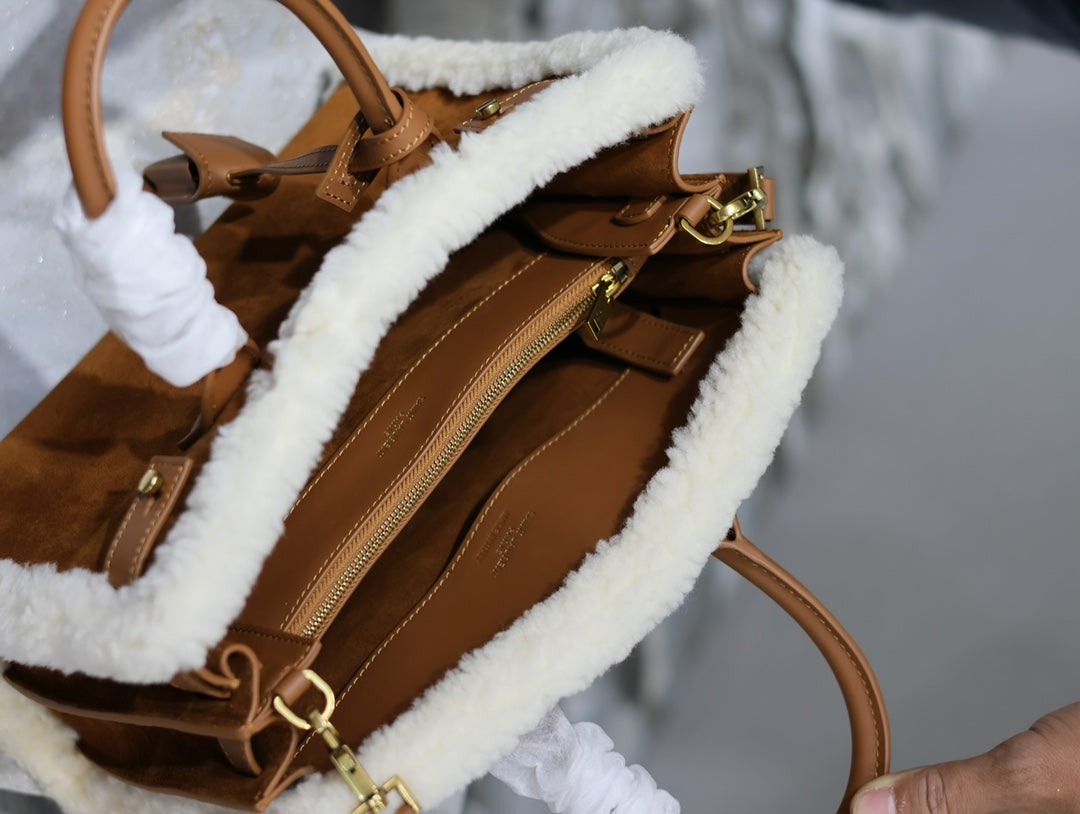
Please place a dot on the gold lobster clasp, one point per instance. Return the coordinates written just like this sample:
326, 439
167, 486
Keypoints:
721, 219
373, 798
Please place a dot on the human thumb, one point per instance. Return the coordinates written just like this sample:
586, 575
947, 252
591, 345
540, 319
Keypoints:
986, 784
961, 787
1034, 771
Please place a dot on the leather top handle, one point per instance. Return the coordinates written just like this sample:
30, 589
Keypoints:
870, 741
83, 128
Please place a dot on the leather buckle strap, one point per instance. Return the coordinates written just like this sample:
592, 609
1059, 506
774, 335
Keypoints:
364, 151
82, 110
225, 165
870, 741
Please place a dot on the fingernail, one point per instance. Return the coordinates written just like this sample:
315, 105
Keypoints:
878, 801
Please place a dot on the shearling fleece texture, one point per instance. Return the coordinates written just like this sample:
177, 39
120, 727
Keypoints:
497, 693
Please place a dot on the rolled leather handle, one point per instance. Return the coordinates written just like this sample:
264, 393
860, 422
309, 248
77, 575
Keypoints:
870, 741
83, 128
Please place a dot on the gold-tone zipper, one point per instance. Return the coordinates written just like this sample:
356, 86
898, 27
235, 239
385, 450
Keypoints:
594, 306
604, 293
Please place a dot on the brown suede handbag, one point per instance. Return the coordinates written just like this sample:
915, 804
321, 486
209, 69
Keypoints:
510, 374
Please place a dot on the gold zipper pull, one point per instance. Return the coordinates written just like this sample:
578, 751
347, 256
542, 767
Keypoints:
604, 293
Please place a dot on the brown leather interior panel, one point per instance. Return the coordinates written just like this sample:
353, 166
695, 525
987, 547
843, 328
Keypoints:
535, 524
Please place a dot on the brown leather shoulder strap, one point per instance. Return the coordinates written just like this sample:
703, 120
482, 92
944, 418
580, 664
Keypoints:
83, 130
870, 742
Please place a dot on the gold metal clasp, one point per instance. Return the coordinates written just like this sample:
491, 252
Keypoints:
373, 798
723, 215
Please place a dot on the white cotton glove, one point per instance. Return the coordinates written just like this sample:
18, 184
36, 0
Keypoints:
150, 283
572, 769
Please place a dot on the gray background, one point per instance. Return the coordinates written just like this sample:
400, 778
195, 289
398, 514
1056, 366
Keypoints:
936, 507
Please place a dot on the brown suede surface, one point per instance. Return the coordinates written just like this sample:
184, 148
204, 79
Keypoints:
68, 471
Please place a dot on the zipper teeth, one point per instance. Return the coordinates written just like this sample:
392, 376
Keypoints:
329, 604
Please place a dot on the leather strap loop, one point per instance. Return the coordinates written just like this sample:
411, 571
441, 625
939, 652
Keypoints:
82, 108
870, 740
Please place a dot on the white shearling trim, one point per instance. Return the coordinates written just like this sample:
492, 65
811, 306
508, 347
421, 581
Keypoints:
75, 621
497, 693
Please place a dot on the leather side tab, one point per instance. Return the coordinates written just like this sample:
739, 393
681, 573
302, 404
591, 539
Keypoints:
205, 682
211, 162
645, 341
130, 548
605, 227
637, 211
643, 167
172, 179
340, 187
477, 124
219, 387
241, 755
362, 152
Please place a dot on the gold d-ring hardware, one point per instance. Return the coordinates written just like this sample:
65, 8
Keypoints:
373, 798
723, 216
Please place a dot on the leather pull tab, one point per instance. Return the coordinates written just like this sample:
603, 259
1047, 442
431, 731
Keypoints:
211, 165
241, 755
488, 113
219, 387
157, 495
363, 153
645, 341
222, 384
340, 187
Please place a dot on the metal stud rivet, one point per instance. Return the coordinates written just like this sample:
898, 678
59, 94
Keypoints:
150, 483
489, 109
